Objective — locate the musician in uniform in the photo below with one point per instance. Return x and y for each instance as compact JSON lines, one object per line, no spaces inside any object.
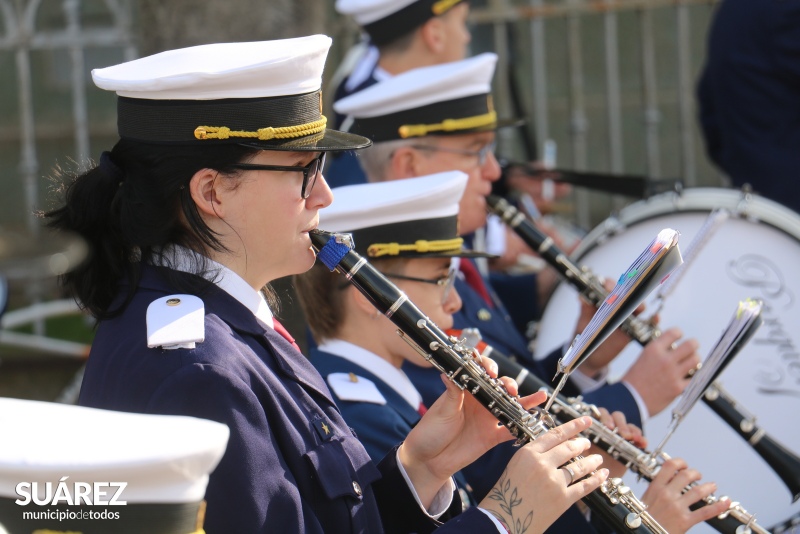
{"x":209,"y":195}
{"x":403,"y":35}
{"x":441,"y":118}
{"x":408,"y":230}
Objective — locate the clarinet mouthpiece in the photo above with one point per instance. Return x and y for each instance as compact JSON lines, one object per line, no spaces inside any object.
{"x":330,"y":247}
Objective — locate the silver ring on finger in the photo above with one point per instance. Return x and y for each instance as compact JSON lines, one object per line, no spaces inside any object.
{"x":568,"y":470}
{"x":673,"y":346}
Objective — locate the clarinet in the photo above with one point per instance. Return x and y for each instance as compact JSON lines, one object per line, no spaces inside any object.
{"x":785,"y":463}
{"x":790,"y":526}
{"x":586,"y":282}
{"x":613,"y":501}
{"x":735,"y":520}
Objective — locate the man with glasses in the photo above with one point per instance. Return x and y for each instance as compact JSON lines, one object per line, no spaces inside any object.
{"x":441,"y":118}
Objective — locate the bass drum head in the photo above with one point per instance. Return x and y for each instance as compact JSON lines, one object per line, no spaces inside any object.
{"x":754,"y":253}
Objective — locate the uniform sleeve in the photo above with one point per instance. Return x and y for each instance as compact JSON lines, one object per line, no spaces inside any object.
{"x":519,"y":293}
{"x":473,"y":520}
{"x":377,"y":428}
{"x":401,"y":514}
{"x":237,"y":500}
{"x":617,"y":397}
{"x":784,"y":30}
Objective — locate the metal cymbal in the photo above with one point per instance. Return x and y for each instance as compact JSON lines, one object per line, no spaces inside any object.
{"x":25,"y":256}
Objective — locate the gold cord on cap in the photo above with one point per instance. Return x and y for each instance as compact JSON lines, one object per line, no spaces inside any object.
{"x":393,"y":249}
{"x":443,"y":5}
{"x":447,"y":125}
{"x":262,"y":134}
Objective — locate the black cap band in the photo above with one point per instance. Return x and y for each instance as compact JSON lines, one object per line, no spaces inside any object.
{"x":176,"y":121}
{"x":400,"y":23}
{"x":388,"y":127}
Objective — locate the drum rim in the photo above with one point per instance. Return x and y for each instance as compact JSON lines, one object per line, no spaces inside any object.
{"x":701,"y":199}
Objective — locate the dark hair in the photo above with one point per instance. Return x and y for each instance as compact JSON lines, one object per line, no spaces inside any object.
{"x":321,"y":295}
{"x":129,"y":207}
{"x":399,"y":45}
{"x":402,"y":43}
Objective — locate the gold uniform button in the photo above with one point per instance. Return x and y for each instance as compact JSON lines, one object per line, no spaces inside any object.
{"x":357,"y":488}
{"x":484,"y":314}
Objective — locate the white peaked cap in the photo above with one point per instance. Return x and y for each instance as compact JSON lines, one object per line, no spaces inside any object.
{"x":222,"y":70}
{"x":378,"y":204}
{"x":163,"y":459}
{"x":367,"y":11}
{"x":421,"y":87}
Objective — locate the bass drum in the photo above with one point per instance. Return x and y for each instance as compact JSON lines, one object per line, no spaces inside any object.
{"x":754,"y":253}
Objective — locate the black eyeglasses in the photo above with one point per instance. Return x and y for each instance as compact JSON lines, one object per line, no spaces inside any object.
{"x":447,"y":281}
{"x":482,"y":154}
{"x":310,"y":171}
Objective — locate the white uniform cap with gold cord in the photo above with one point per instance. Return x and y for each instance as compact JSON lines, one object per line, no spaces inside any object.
{"x":447,"y":99}
{"x":414,"y":218}
{"x":387,"y":20}
{"x":264,"y":94}
{"x":68,"y":468}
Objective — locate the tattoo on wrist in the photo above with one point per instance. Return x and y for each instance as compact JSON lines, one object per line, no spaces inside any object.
{"x":508,"y":499}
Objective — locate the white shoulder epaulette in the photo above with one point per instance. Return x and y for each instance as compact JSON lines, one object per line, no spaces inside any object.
{"x":349,"y":387}
{"x":176,"y":322}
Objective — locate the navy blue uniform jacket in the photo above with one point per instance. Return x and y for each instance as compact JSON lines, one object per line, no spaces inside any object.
{"x":345,"y":168}
{"x":292,"y":464}
{"x":379,"y":426}
{"x":749,"y":96}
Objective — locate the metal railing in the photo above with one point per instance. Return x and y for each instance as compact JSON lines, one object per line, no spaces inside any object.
{"x":29,"y":27}
{"x":641,"y":118}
